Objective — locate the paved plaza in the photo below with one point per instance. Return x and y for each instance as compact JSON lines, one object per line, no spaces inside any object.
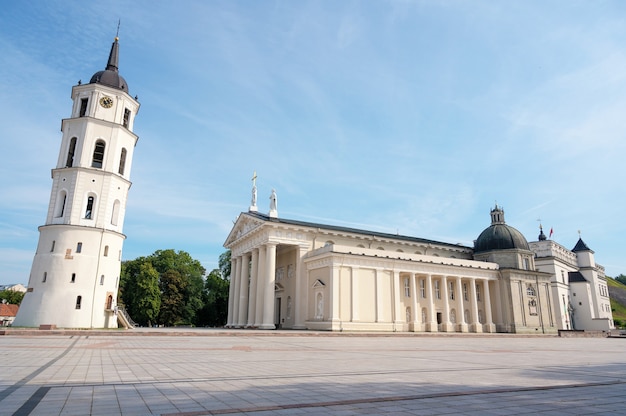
{"x":206,"y":372}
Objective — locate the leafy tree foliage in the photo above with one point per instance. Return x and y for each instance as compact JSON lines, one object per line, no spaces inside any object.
{"x":140,"y":282}
{"x":11,"y":296}
{"x":621,"y":278}
{"x":215,"y":297}
{"x":224,"y":265}
{"x":165,"y":287}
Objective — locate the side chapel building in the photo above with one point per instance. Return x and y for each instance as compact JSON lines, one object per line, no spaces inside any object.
{"x":299,"y":275}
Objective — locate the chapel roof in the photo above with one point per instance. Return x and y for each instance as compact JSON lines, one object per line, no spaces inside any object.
{"x":576,"y":277}
{"x":111,"y":76}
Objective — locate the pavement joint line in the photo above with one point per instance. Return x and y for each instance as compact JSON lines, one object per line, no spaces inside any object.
{"x":270,"y":408}
{"x":11,"y":389}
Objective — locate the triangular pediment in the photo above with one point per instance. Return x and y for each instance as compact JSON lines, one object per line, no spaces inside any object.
{"x":318,"y":283}
{"x":243,"y":225}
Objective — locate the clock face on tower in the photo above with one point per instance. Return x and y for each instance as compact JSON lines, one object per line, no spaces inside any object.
{"x":106,"y":102}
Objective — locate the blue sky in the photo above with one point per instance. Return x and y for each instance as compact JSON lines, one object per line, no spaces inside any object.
{"x":410,"y":117}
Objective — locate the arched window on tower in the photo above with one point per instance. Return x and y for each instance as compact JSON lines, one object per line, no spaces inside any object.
{"x":98,"y":154}
{"x":70,"y":153}
{"x":91,"y":201}
{"x":79,"y":300}
{"x":60,"y":205}
{"x":116,"y":212}
{"x":122,"y":162}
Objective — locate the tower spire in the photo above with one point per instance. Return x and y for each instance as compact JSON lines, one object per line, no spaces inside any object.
{"x":113,"y":62}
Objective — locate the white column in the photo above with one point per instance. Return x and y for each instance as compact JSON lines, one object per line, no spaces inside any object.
{"x":254,"y":277}
{"x":231,"y":293}
{"x":354,"y":301}
{"x":396,"y":305}
{"x":243,"y":290}
{"x":379,"y":301}
{"x":301,"y":292}
{"x":335,"y":296}
{"x":269,"y":296}
{"x":446,"y":325}
{"x":260,"y":287}
{"x":236,"y":274}
{"x":416,"y":312}
{"x":431,"y":325}
{"x":460,"y":313}
{"x":488,"y":326}
{"x":475,"y":326}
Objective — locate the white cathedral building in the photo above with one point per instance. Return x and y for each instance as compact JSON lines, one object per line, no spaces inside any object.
{"x":299,"y":275}
{"x":75,"y":273}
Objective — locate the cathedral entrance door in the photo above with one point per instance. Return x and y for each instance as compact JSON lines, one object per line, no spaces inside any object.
{"x":277,"y":314}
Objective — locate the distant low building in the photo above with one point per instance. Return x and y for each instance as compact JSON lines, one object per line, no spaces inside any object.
{"x":14,"y":287}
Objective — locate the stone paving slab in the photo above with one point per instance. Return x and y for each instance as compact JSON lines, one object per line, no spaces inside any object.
{"x":286,"y":373}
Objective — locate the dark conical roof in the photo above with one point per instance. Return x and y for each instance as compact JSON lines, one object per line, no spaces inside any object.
{"x":111,"y":76}
{"x":499,"y":236}
{"x":580,"y":246}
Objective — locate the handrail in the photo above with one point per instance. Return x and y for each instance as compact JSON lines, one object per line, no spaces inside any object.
{"x":129,"y":324}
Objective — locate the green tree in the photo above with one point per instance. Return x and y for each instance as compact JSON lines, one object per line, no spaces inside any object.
{"x":139,"y":290}
{"x":224,"y":264}
{"x":11,"y":296}
{"x":189,"y":286}
{"x":173,"y":288}
{"x":173,"y":298}
{"x":215,"y":297}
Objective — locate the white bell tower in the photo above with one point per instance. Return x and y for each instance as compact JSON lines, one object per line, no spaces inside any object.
{"x":75,"y":274}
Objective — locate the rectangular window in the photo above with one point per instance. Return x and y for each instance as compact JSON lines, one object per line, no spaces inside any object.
{"x":451,"y":290}
{"x":407,"y":288}
{"x":45,"y":277}
{"x":83,"y":106}
{"x":73,"y":278}
{"x":53,"y":244}
{"x":79,"y":247}
{"x":465,"y":296}
{"x":437,"y":290}
{"x":106,"y":251}
{"x":78,"y":301}
{"x":423,"y":288}
{"x":122,"y":162}
{"x":126,"y":117}
{"x":477,"y":292}
{"x":101,"y":280}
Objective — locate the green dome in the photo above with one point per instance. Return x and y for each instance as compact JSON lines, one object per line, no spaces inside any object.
{"x":499,"y":236}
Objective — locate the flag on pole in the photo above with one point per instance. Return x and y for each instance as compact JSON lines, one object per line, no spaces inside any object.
{"x":550,"y":232}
